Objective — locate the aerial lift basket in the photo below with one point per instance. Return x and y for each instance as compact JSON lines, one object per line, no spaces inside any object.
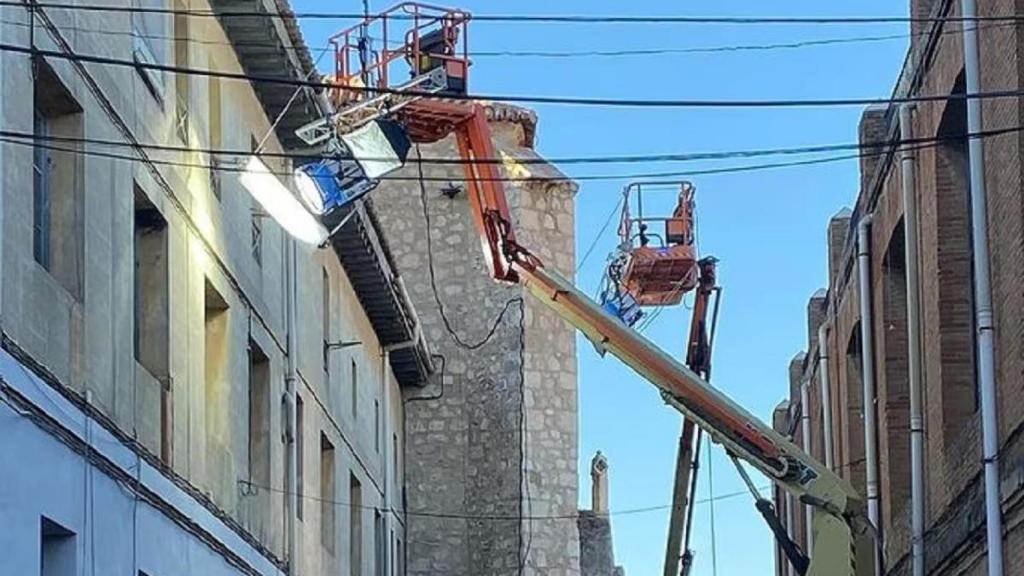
{"x":660,"y":254}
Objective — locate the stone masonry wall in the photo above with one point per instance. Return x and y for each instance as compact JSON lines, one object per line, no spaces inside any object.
{"x":480,"y":444}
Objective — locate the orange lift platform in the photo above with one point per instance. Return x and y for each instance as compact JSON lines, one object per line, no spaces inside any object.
{"x":417,"y":80}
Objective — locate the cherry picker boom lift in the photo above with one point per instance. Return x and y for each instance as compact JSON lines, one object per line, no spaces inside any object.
{"x":843,"y":537}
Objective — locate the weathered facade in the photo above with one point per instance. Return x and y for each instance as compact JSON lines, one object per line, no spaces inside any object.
{"x":954,"y":540}
{"x":497,"y":441}
{"x":143,"y":420}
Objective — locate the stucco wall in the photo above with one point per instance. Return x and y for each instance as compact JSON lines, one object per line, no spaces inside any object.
{"x":85,"y":340}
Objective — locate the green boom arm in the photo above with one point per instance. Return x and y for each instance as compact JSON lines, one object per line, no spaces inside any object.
{"x":843,"y":538}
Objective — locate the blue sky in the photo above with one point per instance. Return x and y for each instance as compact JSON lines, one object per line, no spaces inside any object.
{"x":766,"y":227}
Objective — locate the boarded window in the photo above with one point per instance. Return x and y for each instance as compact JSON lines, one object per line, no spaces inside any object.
{"x":327,"y":504}
{"x":57,"y":200}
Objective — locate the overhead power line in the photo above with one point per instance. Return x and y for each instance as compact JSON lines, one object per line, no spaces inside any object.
{"x":558,"y":54}
{"x":536,"y":18}
{"x":222,"y":153}
{"x":879,"y":151}
{"x":567,"y":100}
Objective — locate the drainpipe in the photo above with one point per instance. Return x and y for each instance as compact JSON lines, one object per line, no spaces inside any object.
{"x":789,"y":529}
{"x":385,"y":453}
{"x":983,"y":295}
{"x":868,"y":375}
{"x":805,"y":425}
{"x":290,"y":378}
{"x":917,"y":494}
{"x":826,"y":393}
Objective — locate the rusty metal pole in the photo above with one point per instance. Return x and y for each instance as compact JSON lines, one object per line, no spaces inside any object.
{"x":697,"y":358}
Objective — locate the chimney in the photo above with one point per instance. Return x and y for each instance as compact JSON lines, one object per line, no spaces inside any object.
{"x":599,"y":484}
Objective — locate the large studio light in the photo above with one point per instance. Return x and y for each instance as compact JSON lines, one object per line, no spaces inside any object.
{"x":356,"y":161}
{"x":281,"y":204}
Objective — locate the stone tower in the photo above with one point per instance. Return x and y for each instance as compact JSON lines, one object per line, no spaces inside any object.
{"x":492,"y":446}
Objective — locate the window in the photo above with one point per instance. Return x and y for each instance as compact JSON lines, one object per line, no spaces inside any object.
{"x":215,"y":341}
{"x":379,"y":544}
{"x":300,"y":443}
{"x":396,"y":471}
{"x":852,"y":465}
{"x":41,"y":164}
{"x":955,"y":271}
{"x":326,"y":493}
{"x":400,"y":556}
{"x":894,"y":399}
{"x":325,"y":320}
{"x":376,"y":426}
{"x":355,"y":537}
{"x":151,"y":287}
{"x":58,"y":552}
{"x":259,"y":417}
{"x":151,"y":331}
{"x":145,"y":27}
{"x":354,"y":378}
{"x":57,"y":203}
{"x":182,"y":82}
{"x":255,"y":219}
{"x":256,"y":237}
{"x":215,"y":121}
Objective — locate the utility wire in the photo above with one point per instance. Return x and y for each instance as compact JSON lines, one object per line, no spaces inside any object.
{"x":599,"y":159}
{"x":494,"y":517}
{"x":586,"y":177}
{"x":542,"y":53}
{"x":528,"y":99}
{"x":534,"y":18}
{"x":876,"y":146}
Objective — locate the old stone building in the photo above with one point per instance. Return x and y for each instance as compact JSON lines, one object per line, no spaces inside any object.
{"x":147,"y":425}
{"x":954,"y":536}
{"x":497,"y":441}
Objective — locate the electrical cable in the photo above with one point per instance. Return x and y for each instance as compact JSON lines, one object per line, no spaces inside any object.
{"x":600,"y":233}
{"x":523,"y":457}
{"x":540,"y":53}
{"x":535,"y":18}
{"x":597,"y":159}
{"x":498,"y":517}
{"x":927,"y":143}
{"x":529,"y":99}
{"x":456,"y":338}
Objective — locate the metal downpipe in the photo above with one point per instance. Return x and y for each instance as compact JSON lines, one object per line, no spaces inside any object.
{"x":983,"y":295}
{"x":826,"y":395}
{"x":868,"y":375}
{"x":290,"y":379}
{"x":917,"y":494}
{"x":805,"y":430}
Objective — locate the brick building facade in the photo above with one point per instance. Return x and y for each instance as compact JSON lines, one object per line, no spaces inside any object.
{"x":954,"y":495}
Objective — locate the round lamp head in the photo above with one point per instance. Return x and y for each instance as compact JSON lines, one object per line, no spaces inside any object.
{"x":319,"y":187}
